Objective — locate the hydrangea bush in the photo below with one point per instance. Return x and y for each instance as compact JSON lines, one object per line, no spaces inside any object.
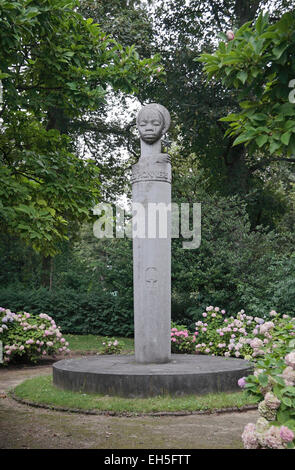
{"x":274,"y":382}
{"x":241,"y":336}
{"x":111,"y":346}
{"x":268,"y":341}
{"x":182,"y":341}
{"x":27,"y":337}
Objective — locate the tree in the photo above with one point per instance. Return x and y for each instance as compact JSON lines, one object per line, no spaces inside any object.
{"x":186,"y":30}
{"x":55,"y":66}
{"x":260,"y":64}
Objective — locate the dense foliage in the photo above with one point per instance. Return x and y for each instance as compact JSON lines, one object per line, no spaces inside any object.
{"x":97,"y":311}
{"x":27,"y":337}
{"x":259,"y":62}
{"x":55,"y":66}
{"x":273,"y":382}
{"x":239,"y":335}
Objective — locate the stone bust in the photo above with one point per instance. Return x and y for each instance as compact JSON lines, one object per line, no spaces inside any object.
{"x":153,"y":121}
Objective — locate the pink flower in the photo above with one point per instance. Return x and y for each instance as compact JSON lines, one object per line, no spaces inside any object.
{"x":230,"y":35}
{"x":223,"y":312}
{"x":273,"y":438}
{"x":249,"y":437}
{"x":289,"y":376}
{"x":266,"y":326}
{"x":271,"y":401}
{"x":204,"y":314}
{"x":286,"y":434}
{"x":290,"y":359}
{"x":256,"y":343}
{"x":242,"y":382}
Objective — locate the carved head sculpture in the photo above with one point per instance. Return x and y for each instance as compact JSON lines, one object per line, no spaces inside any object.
{"x":153,"y":120}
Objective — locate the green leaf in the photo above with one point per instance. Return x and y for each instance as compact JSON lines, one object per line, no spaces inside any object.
{"x":263,"y":380}
{"x":287,"y":401}
{"x":278,"y":51}
{"x":259,"y":117}
{"x":242,"y":76}
{"x":283,"y":416}
{"x":286,"y":137}
{"x":273,"y":147}
{"x":261,"y":140}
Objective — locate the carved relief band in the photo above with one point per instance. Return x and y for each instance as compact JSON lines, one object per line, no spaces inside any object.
{"x":141,"y":173}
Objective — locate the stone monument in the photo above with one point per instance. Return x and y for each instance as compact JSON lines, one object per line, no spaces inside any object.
{"x":152,"y":371}
{"x":151,"y":190}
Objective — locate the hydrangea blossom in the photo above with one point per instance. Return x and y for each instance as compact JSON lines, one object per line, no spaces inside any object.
{"x":249,"y":437}
{"x":21,"y":335}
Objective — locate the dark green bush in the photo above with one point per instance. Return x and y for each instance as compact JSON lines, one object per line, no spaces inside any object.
{"x":96,"y":312}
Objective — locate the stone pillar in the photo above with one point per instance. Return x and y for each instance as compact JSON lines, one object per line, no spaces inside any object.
{"x":151,"y":230}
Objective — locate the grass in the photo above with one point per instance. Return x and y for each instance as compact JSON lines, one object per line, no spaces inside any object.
{"x":94,"y":343}
{"x":41,"y":390}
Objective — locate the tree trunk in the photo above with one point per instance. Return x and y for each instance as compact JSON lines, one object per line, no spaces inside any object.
{"x":245,"y":10}
{"x":47,"y":272}
{"x":238,"y":173}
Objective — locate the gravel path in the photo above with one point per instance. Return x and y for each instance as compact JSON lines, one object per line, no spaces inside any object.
{"x":26,"y":427}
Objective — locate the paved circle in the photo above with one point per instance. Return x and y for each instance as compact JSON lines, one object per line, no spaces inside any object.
{"x":122,"y":376}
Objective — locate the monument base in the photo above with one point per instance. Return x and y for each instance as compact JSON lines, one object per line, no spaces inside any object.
{"x":121,"y":376}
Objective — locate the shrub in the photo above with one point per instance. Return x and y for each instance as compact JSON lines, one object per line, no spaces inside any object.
{"x":181,"y":340}
{"x":274,"y":382}
{"x":27,"y":337}
{"x":241,"y":336}
{"x":111,"y":346}
{"x":97,"y":312}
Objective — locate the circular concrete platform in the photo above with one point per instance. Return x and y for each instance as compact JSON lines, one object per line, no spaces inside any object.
{"x":122,"y":376}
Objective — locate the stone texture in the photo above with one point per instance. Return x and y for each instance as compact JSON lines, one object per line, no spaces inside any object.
{"x":123,"y":376}
{"x":151,"y":185}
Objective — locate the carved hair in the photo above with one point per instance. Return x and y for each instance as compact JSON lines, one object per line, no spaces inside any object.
{"x":161,"y":110}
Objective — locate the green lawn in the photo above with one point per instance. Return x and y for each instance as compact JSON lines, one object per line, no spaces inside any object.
{"x":41,"y":390}
{"x":94,"y":343}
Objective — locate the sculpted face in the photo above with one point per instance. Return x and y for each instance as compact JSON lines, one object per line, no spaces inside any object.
{"x":150,"y":125}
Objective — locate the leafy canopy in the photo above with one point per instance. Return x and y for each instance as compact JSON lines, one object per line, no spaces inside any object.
{"x":55,"y":66}
{"x":260,"y":64}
